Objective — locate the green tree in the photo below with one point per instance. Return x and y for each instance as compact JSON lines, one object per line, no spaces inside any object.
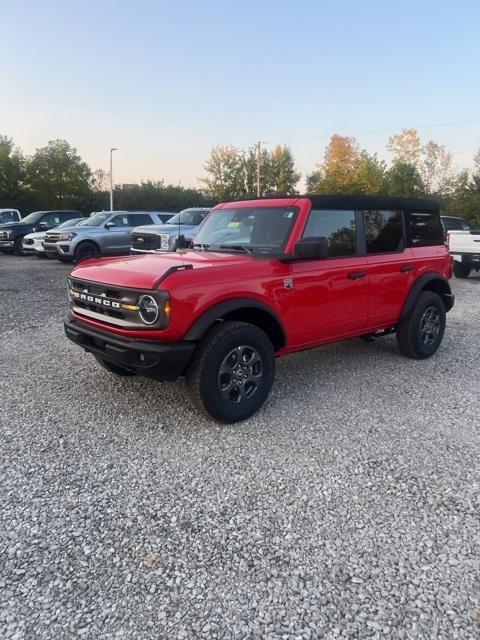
{"x":281,"y":175}
{"x":369,"y":177}
{"x":57,"y":177}
{"x":225,"y":174}
{"x":404,"y":180}
{"x":12,"y":174}
{"x":405,"y":147}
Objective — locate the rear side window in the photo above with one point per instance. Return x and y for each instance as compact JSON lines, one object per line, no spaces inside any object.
{"x":383,"y":231}
{"x":337,"y":226}
{"x":424,"y":229}
{"x":138,"y":219}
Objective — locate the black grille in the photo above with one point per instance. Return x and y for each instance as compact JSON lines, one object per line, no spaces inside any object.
{"x":145,"y":241}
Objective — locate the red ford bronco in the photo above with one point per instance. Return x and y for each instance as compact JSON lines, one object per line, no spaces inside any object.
{"x":264,"y":278}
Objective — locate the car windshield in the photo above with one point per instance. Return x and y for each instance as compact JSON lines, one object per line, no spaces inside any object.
{"x":260,"y":229}
{"x":32,"y":217}
{"x":188,"y":216}
{"x":456,"y":224}
{"x":96,"y":219}
{"x":7,"y":216}
{"x":70,"y":223}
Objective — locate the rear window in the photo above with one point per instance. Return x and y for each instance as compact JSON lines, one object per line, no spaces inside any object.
{"x":383,"y":231}
{"x":455,"y":224}
{"x":424,"y":229}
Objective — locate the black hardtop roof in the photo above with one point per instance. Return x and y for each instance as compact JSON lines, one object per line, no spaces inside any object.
{"x":352,"y":202}
{"x":372,"y":202}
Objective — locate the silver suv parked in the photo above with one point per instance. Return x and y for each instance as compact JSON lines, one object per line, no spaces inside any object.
{"x":165,"y":237}
{"x":102,"y":234}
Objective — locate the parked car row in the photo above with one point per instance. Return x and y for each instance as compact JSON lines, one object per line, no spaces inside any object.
{"x":70,"y":237}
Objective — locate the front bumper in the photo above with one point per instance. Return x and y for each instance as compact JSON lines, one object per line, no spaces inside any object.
{"x":58,"y":249}
{"x":159,"y":360}
{"x":6,"y":245}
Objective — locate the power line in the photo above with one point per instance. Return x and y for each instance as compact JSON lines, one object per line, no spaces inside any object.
{"x":378,"y":131}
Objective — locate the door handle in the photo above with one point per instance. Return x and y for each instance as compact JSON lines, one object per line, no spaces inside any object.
{"x":356,"y":275}
{"x":406,"y":267}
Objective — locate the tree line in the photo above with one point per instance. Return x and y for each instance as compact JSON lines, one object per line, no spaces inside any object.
{"x":55,"y":176}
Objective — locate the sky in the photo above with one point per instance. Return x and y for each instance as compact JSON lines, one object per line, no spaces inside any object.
{"x":165,"y":81}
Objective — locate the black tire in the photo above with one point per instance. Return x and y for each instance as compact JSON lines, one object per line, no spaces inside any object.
{"x":86,"y":250}
{"x":461,"y":270}
{"x":232,"y":371}
{"x":114,"y":368}
{"x":420,"y":334}
{"x":18,"y":247}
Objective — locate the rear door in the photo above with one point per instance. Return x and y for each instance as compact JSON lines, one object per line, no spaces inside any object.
{"x":331,"y":294}
{"x":391,"y":266}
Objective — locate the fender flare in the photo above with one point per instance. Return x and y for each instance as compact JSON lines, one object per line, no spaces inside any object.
{"x":210,"y":315}
{"x":420,"y":284}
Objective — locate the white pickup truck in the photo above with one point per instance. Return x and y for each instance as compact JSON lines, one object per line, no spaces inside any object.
{"x":464,"y":247}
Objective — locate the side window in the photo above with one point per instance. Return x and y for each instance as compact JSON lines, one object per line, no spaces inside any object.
{"x":138,"y":219}
{"x":52,"y":219}
{"x":424,"y":229}
{"x":337,"y":226}
{"x":383,"y":231}
{"x":120,"y":220}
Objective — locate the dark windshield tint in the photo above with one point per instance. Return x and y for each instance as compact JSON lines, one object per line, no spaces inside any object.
{"x":32,"y":217}
{"x":188,"y":216}
{"x":255,"y":227}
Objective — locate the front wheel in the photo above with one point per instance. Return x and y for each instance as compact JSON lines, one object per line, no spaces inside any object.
{"x":232,"y":372}
{"x":420,"y":334}
{"x":461,"y":270}
{"x":86,"y":250}
{"x":18,"y":247}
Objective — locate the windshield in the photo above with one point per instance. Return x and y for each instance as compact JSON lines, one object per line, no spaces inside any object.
{"x":32,"y":217}
{"x":96,"y":219}
{"x":8,"y":216}
{"x":188,"y":216}
{"x":70,"y":223}
{"x":456,"y":224}
{"x":247,"y":228}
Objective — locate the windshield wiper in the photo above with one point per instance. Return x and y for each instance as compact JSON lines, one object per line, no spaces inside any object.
{"x":236,"y":247}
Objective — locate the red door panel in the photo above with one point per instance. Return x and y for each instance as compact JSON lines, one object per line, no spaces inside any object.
{"x":389,"y":277}
{"x":329,"y":303}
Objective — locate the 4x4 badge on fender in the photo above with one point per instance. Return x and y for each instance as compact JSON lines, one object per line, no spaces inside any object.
{"x":288,"y":283}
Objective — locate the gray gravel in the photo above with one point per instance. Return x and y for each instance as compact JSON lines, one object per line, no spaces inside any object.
{"x":348,"y":507}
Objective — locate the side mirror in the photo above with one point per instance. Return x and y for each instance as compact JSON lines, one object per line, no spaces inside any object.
{"x":109,"y":225}
{"x":311,"y":249}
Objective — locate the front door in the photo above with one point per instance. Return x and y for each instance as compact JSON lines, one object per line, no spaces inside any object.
{"x":117,"y":234}
{"x":331,"y":294}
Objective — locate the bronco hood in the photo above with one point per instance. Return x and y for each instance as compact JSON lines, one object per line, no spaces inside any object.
{"x":148,"y":270}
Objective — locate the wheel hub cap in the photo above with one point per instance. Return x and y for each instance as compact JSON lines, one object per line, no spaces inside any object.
{"x":240,"y":374}
{"x":430,"y":324}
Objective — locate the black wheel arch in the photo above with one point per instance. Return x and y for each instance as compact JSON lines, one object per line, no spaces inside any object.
{"x":242,"y":309}
{"x":429,"y":282}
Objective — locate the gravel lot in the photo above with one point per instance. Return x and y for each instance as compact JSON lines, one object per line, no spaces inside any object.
{"x":348,"y":507}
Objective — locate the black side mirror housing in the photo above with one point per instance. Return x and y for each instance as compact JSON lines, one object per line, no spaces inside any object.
{"x":311,"y":249}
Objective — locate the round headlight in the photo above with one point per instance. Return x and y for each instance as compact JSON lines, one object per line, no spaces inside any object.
{"x":148,"y":309}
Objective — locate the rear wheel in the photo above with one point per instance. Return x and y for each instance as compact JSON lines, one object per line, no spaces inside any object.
{"x":461,"y":270}
{"x":232,"y":371}
{"x":114,"y":368}
{"x":420,"y":334}
{"x":86,"y":250}
{"x":18,"y":247}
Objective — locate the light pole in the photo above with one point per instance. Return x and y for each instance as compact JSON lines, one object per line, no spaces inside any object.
{"x":259,"y":144}
{"x":111,"y":176}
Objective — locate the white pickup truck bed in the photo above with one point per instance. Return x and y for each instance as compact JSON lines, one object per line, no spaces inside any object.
{"x":464,"y":247}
